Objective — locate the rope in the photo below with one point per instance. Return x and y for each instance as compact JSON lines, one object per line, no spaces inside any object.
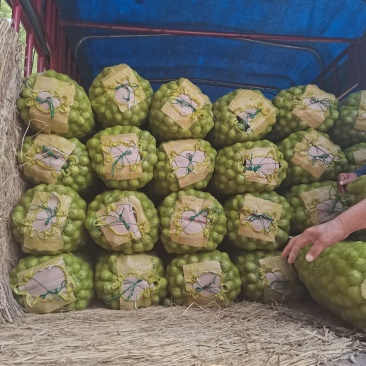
{"x":246,"y":122}
{"x":126,"y":86}
{"x":207,"y":287}
{"x":133,"y":287}
{"x":120,"y":157}
{"x":183,"y":103}
{"x":51,"y":213}
{"x":49,"y":153}
{"x":120,"y":219}
{"x":326,"y":102}
{"x":262,"y":218}
{"x":322,"y":157}
{"x":49,"y":101}
{"x":193,"y":217}
{"x":54,"y":292}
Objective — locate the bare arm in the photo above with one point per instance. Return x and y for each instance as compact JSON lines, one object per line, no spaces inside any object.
{"x":325,"y":235}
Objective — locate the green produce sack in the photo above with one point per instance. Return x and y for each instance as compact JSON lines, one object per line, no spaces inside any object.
{"x":301,"y":108}
{"x":240,"y":116}
{"x":179,"y":110}
{"x":123,"y":221}
{"x":123,"y":157}
{"x":258,"y":221}
{"x":337,"y":280}
{"x":53,"y":103}
{"x":120,"y":97}
{"x":191,"y":221}
{"x":52,"y":284}
{"x":267,"y":277}
{"x":53,"y":159}
{"x":49,"y":220}
{"x":249,"y":167}
{"x":356,"y":156}
{"x":203,"y":279}
{"x":183,"y":164}
{"x":311,"y":157}
{"x":316,"y":203}
{"x":129,"y":282}
{"x":350,"y":127}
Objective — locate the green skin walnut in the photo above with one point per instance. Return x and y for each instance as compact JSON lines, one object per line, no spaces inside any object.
{"x":231,"y":283}
{"x":343,"y":132}
{"x":164,"y":128}
{"x":216,"y":226}
{"x":147,"y":151}
{"x":288,"y":123}
{"x":166,"y":181}
{"x":335,"y":280}
{"x":106,"y":108}
{"x":80,"y":271}
{"x":76,"y":173}
{"x":296,"y":174}
{"x":229,"y":177}
{"x":352,"y":165}
{"x":136,"y":245}
{"x":233,"y":208}
{"x":72,"y":233}
{"x":106,"y":278}
{"x":228,"y":128}
{"x":81,"y":118}
{"x":300,"y":215}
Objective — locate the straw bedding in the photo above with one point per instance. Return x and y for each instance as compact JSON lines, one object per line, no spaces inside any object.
{"x":244,"y":334}
{"x":11,"y":186}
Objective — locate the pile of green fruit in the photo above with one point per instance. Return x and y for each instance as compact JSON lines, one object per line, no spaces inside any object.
{"x":123,"y":156}
{"x":54,"y":103}
{"x":120,"y":97}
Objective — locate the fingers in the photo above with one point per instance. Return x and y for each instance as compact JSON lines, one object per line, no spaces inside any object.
{"x":316,"y":250}
{"x":344,"y":179}
{"x":347,"y":180}
{"x":295,"y":244}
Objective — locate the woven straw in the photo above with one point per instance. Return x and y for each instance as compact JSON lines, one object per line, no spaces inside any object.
{"x":11,"y":186}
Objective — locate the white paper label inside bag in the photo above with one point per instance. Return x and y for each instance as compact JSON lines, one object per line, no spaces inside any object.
{"x":123,"y":220}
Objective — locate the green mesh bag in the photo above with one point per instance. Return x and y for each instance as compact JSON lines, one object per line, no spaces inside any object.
{"x":350,"y":127}
{"x":191,"y":221}
{"x":120,"y":97}
{"x":258,"y":221}
{"x":183,"y":164}
{"x":301,"y":108}
{"x":49,"y":220}
{"x":53,"y":103}
{"x":249,"y":167}
{"x":123,"y":156}
{"x":52,"y":283}
{"x":316,"y":203}
{"x":311,"y":157}
{"x":179,"y":110}
{"x":130,"y":281}
{"x":336,"y":280}
{"x":240,"y":116}
{"x":267,"y":277}
{"x":123,"y":221}
{"x":356,"y":156}
{"x":53,"y":159}
{"x":203,"y":279}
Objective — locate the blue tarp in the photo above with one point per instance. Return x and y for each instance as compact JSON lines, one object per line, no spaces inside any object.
{"x":207,"y":59}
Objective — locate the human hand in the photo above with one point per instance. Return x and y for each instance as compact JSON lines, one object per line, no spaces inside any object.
{"x":321,"y":236}
{"x":344,"y":179}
